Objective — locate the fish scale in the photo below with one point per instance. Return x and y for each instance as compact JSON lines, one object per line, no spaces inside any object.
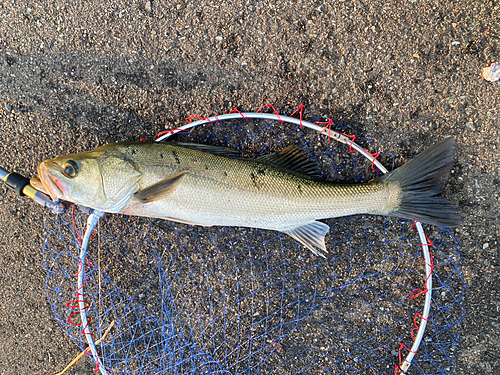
{"x":239,"y":192}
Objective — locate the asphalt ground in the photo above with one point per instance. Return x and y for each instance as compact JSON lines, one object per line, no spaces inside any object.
{"x":74,"y":75}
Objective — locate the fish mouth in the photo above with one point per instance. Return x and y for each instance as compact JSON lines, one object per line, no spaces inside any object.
{"x":36,"y":182}
{"x":51,"y":185}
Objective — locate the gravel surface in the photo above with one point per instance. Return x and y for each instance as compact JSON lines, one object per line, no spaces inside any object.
{"x":77,"y":74}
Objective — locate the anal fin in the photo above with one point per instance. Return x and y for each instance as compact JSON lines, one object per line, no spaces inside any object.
{"x":188,"y":222}
{"x":311,"y":235}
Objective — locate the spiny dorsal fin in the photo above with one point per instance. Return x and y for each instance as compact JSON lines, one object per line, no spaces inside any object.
{"x":224,"y":151}
{"x":161,"y":189}
{"x":294,"y":159}
{"x":311,"y":235}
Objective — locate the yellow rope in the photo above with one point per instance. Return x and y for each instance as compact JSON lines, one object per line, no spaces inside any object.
{"x":83,"y":353}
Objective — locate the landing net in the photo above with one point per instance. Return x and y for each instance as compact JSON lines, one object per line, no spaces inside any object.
{"x":222,"y":300}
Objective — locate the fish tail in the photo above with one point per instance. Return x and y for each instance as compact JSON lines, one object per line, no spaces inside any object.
{"x":420,"y":180}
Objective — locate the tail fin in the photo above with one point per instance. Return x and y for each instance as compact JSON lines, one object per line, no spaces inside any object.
{"x":420,"y":180}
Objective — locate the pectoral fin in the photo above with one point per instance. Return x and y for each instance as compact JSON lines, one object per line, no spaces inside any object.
{"x":161,"y":189}
{"x":311,"y":235}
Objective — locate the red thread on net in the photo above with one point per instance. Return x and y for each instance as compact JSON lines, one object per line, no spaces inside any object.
{"x":78,"y":236}
{"x":97,"y":367}
{"x":301,"y":109}
{"x":353,"y":137}
{"x":429,"y":242}
{"x":86,"y":351}
{"x":75,"y":305}
{"x":171,"y":132}
{"x":398,"y":367}
{"x":431,"y":266}
{"x":79,"y":270}
{"x":143,"y":140}
{"x":86,"y":263}
{"x":420,"y":291}
{"x":274,"y":109}
{"x":416,"y":326}
{"x":236,"y":110}
{"x":375,"y":156}
{"x":191,"y":118}
{"x":413,"y":296}
{"x":328,"y":125}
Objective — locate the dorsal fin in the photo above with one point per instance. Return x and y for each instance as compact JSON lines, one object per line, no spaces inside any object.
{"x":217,"y":150}
{"x":294,"y":159}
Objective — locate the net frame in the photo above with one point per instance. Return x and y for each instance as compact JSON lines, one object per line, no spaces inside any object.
{"x":324,"y":130}
{"x":340,"y":137}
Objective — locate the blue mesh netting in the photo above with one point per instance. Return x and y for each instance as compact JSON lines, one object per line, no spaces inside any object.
{"x":223,"y":300}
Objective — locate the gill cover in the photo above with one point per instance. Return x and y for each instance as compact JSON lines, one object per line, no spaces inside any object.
{"x":119,"y":179}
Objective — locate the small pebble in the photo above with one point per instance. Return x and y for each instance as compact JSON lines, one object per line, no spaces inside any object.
{"x":492,"y":72}
{"x":8,"y":107}
{"x":486,"y":245}
{"x":149,"y":6}
{"x":259,"y":263}
{"x":471,"y":126}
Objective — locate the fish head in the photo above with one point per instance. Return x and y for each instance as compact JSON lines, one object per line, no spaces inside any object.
{"x":102,"y":179}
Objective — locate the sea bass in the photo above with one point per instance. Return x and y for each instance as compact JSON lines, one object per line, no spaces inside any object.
{"x":206,"y":185}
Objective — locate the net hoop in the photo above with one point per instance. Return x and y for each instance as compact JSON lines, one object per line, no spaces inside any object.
{"x":326,"y":131}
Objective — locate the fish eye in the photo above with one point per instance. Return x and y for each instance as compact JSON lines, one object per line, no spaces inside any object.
{"x":70,"y":169}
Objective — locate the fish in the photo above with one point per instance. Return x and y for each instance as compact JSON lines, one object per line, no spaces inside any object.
{"x":208,"y":185}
